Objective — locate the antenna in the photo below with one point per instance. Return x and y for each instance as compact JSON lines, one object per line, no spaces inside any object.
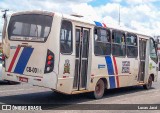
{"x":5,"y":13}
{"x":76,"y":15}
{"x":119,"y":19}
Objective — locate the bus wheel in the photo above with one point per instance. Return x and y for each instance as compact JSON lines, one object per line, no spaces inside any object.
{"x":149,"y":84}
{"x":99,"y":89}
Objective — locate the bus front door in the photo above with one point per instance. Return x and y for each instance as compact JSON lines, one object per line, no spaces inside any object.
{"x":81,"y":58}
{"x":142,"y":56}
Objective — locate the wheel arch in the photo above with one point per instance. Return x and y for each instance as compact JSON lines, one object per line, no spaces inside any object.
{"x":152,"y":75}
{"x":105,"y":82}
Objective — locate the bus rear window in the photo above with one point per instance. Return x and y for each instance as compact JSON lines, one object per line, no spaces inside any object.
{"x":29,"y":27}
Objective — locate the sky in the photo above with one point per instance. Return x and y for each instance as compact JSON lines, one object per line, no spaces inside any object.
{"x":140,"y":15}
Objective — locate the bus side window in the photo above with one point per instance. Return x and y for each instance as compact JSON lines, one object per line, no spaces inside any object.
{"x":66,"y":37}
{"x":118,"y":43}
{"x":132,"y":48}
{"x":102,"y":45}
{"x":153,"y":53}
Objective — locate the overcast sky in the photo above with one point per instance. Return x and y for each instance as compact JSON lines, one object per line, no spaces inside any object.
{"x":141,"y":15}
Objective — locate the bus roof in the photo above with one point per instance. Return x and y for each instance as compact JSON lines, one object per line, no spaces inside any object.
{"x":85,"y":20}
{"x":33,"y":12}
{"x":104,"y":25}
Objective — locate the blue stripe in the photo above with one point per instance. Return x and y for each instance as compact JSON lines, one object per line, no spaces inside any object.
{"x":112,"y":82}
{"x":98,"y":24}
{"x":109,"y":65}
{"x":110,"y":71}
{"x":23,"y":60}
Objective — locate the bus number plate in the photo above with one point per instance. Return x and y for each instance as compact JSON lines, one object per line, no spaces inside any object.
{"x":23,"y":79}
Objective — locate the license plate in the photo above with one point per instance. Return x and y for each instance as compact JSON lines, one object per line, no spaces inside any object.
{"x":23,"y":79}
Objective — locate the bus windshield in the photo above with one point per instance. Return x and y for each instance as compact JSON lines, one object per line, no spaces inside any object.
{"x":29,"y":27}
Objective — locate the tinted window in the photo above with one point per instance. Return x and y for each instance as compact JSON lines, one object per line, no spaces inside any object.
{"x":118,"y":43}
{"x":153,"y":53}
{"x":102,"y":44}
{"x":132,"y":49}
{"x":32,"y":27}
{"x":66,"y":37}
{"x":85,"y":43}
{"x":78,"y":34}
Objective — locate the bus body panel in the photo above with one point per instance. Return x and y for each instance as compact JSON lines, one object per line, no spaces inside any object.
{"x":21,"y":59}
{"x":153,"y":69}
{"x":67,"y":63}
{"x":65,"y":78}
{"x":119,"y":78}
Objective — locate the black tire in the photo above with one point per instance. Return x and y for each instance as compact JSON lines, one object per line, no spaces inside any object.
{"x":99,"y":90}
{"x":149,"y":84}
{"x":57,"y":93}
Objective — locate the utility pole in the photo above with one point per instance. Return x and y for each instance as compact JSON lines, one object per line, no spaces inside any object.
{"x":4,"y":24}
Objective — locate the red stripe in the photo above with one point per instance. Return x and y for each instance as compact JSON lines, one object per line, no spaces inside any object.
{"x":116,"y":70}
{"x":104,"y":25}
{"x":14,"y":58}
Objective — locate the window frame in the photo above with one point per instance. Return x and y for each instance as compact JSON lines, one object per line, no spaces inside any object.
{"x":71,"y":37}
{"x":131,"y":45}
{"x":123,"y":32}
{"x":106,"y":29}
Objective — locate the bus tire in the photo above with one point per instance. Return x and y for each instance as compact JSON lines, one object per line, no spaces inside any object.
{"x":149,"y":84}
{"x":56,"y":92}
{"x":99,"y":89}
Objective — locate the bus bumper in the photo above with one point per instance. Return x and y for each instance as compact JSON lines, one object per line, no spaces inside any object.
{"x":48,"y":81}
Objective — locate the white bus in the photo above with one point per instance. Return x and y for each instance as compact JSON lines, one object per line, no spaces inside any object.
{"x":71,"y":55}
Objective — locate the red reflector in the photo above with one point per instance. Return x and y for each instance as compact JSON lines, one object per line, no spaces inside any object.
{"x":64,"y":76}
{"x":38,"y":79}
{"x":50,"y":57}
{"x":9,"y":75}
